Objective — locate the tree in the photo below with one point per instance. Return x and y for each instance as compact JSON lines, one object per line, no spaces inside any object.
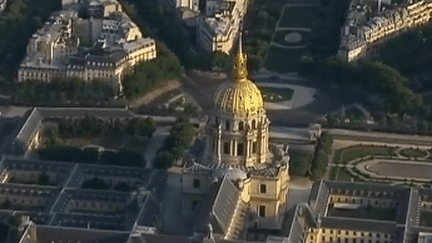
{"x":89,"y":155}
{"x":131,"y":158}
{"x":43,"y":179}
{"x":190,"y":109}
{"x":146,"y":127}
{"x":109,"y":158}
{"x":163,"y":160}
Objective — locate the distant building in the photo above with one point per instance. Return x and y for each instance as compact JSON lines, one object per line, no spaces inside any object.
{"x":3,"y":5}
{"x":366,"y":26}
{"x":219,"y":27}
{"x":103,"y":47}
{"x":362,"y":212}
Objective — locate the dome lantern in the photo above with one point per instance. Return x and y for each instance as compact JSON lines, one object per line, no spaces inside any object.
{"x":240,"y":97}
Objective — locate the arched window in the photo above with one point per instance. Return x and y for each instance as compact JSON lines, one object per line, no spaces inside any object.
{"x":227,"y":125}
{"x":253,"y":124}
{"x":241,"y":126}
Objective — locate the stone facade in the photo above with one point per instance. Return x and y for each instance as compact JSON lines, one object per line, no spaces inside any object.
{"x":240,"y":182}
{"x":218,"y":28}
{"x":364,"y":27}
{"x":104,"y":46}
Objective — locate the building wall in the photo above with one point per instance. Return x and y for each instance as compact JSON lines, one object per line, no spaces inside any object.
{"x":272,"y":201}
{"x":383,"y":26}
{"x":220,"y":39}
{"x":29,"y":176}
{"x":318,"y":235}
{"x":95,"y":206}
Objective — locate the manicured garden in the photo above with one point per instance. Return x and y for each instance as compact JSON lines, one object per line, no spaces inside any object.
{"x":352,"y":153}
{"x":300,"y":16}
{"x":289,"y":37}
{"x":413,"y":153}
{"x":340,"y":174}
{"x":271,"y":94}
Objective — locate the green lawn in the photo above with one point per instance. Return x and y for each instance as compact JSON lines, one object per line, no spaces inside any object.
{"x":279,"y":38}
{"x":337,"y":156}
{"x":344,"y":175}
{"x":365,"y":212}
{"x":333,"y":173}
{"x":277,"y":94}
{"x":362,"y":151}
{"x":136,"y":143}
{"x":413,"y":153}
{"x":282,"y":60}
{"x":305,"y":17}
{"x":426,"y":219}
{"x":300,"y":162}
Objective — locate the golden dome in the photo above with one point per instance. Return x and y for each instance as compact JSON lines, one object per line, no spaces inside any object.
{"x":240,"y":97}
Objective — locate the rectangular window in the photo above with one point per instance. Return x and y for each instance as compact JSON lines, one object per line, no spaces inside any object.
{"x":261,"y":211}
{"x":254,"y":147}
{"x":226,"y":148}
{"x":263,"y":188}
{"x":196,"y":183}
{"x":240,"y":149}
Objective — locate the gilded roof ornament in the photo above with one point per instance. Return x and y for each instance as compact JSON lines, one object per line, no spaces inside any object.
{"x":240,"y":65}
{"x":240,"y":97}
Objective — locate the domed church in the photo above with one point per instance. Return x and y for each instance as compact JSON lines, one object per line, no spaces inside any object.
{"x":240,"y":183}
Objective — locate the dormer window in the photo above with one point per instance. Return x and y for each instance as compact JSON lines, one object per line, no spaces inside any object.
{"x":263,"y":188}
{"x":241,"y":126}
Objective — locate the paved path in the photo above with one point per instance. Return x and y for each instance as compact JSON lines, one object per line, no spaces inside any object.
{"x":155,"y":143}
{"x":173,"y":222}
{"x":294,"y":28}
{"x":288,"y":47}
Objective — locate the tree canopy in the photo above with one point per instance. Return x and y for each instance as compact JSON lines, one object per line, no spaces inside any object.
{"x":146,"y":75}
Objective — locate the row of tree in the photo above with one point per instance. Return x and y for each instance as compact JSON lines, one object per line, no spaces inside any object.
{"x":160,"y":21}
{"x":409,"y":52}
{"x":373,"y":76}
{"x":91,"y":126}
{"x":62,"y":90}
{"x":124,"y":157}
{"x":175,"y":145}
{"x":146,"y":75}
{"x":325,"y":37}
{"x":320,"y":160}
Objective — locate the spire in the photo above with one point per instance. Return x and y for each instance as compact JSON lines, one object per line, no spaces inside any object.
{"x":240,"y":65}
